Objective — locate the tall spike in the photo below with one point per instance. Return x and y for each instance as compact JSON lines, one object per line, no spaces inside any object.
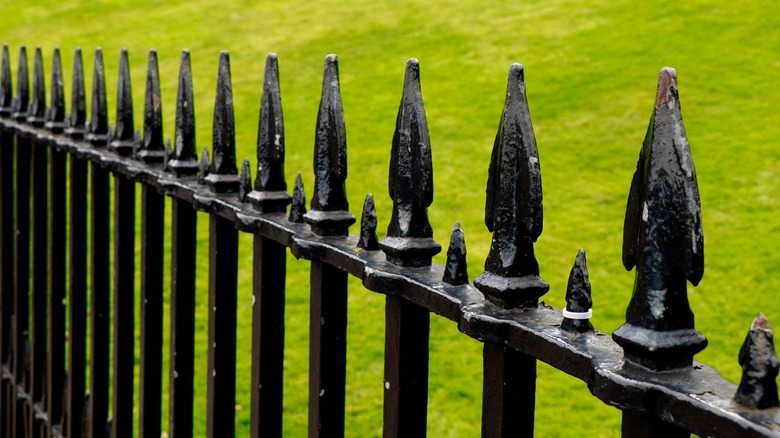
{"x":456,"y":269}
{"x":203,"y":165}
{"x":184,"y":160}
{"x":329,"y":214}
{"x":579,"y":304}
{"x":758,"y":388}
{"x":663,"y":239}
{"x":409,"y":240}
{"x":223,"y":174}
{"x":270,"y":192}
{"x":37,"y":112}
{"x":368,"y":223}
{"x":21,"y":103}
{"x":78,"y":101}
{"x":6,"y":93}
{"x":298,"y":207}
{"x":98,"y":123}
{"x":122,"y":142}
{"x":56,"y":117}
{"x":153,"y":146}
{"x":513,"y":209}
{"x":245,"y":181}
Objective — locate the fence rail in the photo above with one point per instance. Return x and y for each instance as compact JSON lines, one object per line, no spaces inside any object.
{"x":645,"y":368}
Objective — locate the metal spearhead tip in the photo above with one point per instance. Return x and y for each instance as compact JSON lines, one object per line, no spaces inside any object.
{"x":579,"y":304}
{"x":78,"y":101}
{"x":456,"y":269}
{"x":513,"y":208}
{"x":6,"y":93}
{"x":167,"y":154}
{"x":184,"y":161}
{"x":329,"y":214}
{"x":98,"y":122}
{"x":36,"y":114}
{"x":21,"y":103}
{"x":758,"y":388}
{"x":152,"y":149}
{"x":123,"y":135}
{"x":245,"y":181}
{"x":409,"y":240}
{"x":55,"y":119}
{"x":204,"y":165}
{"x":223,"y":174}
{"x":368,"y":223}
{"x":298,"y":207}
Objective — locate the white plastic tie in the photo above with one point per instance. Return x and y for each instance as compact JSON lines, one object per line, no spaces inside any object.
{"x":578,"y":315}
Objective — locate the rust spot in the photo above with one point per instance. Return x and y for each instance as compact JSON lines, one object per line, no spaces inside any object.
{"x":666,"y":78}
{"x":761,"y":322}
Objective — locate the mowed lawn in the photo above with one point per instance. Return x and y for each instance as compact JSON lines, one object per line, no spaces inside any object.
{"x":591,"y":71}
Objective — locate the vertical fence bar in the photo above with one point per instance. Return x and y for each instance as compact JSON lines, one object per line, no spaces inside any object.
{"x":509,"y":392}
{"x":641,"y":425}
{"x":7,"y":232}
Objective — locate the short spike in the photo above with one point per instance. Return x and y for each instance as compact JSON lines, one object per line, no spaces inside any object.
{"x":663,"y":239}
{"x":298,"y":207}
{"x":513,"y":209}
{"x":368,"y":223}
{"x":223,"y":174}
{"x":6,"y":93}
{"x":245,"y":181}
{"x":409,"y":240}
{"x":56,"y":118}
{"x":184,"y":161}
{"x":123,"y":136}
{"x":152,"y":148}
{"x":579,"y":304}
{"x":36,"y":114}
{"x":78,"y":101}
{"x":456,"y":269}
{"x":758,"y":388}
{"x":98,"y":123}
{"x":270,"y":193}
{"x":204,"y":165}
{"x":329,"y":214}
{"x":22,"y":101}
{"x":167,"y":154}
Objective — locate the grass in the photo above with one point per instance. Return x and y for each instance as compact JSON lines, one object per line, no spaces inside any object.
{"x":590,"y":68}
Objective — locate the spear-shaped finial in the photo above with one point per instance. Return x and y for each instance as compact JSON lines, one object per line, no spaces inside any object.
{"x":22,"y":100}
{"x":270,"y":193}
{"x":6,"y":93}
{"x":663,"y":239}
{"x":758,"y":388}
{"x":184,"y":160}
{"x":456,"y":270}
{"x":56,"y":115}
{"x":368,"y":223}
{"x":98,"y":123}
{"x":152,"y":147}
{"x":78,"y":101}
{"x":409,"y":240}
{"x":223,"y":174}
{"x":245,"y":181}
{"x":203,"y":165}
{"x":513,"y":209}
{"x":579,"y":304}
{"x":122,"y":142}
{"x":36,"y":114}
{"x":298,"y":207}
{"x":329,"y":214}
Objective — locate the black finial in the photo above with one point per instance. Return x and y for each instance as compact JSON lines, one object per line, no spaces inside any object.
{"x":152,"y":147}
{"x":36,"y":114}
{"x":245,"y":181}
{"x":409,"y":240}
{"x":758,"y":388}
{"x":167,"y":154}
{"x":663,"y":239}
{"x":270,"y":193}
{"x":579,"y":304}
{"x":184,"y":160}
{"x":513,"y":209}
{"x":223,"y":174}
{"x":368,"y":222}
{"x":329,"y":214}
{"x":56,"y":117}
{"x":98,"y":123}
{"x":204,"y":165}
{"x":78,"y":101}
{"x":22,"y":100}
{"x":298,"y":207}
{"x":122,"y":140}
{"x":455,"y":270}
{"x":6,"y":93}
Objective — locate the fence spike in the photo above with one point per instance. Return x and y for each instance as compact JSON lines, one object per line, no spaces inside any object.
{"x":298,"y":207}
{"x":6,"y":93}
{"x":56,"y":117}
{"x":245,"y":181}
{"x":184,"y":161}
{"x":98,"y":123}
{"x":167,"y":154}
{"x":122,"y":141}
{"x":513,"y":208}
{"x":663,"y":239}
{"x":223,"y":174}
{"x":758,"y":388}
{"x":22,"y":100}
{"x":579,"y":304}
{"x":456,"y":270}
{"x":152,"y":148}
{"x":204,"y":165}
{"x":270,"y":193}
{"x":36,"y":114}
{"x":329,"y":214}
{"x":78,"y":102}
{"x":409,"y":240}
{"x":368,"y":223}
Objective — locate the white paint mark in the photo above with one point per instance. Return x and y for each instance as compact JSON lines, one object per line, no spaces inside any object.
{"x":276,"y":140}
{"x":322,"y":320}
{"x":214,"y":373}
{"x":533,"y":160}
{"x":644,"y":212}
{"x":322,"y":392}
{"x":387,"y":384}
{"x":254,"y":298}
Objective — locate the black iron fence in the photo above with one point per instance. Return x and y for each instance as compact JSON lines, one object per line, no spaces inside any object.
{"x":645,"y":368}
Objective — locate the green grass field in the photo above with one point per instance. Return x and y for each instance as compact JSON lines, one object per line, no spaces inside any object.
{"x":591,"y":69}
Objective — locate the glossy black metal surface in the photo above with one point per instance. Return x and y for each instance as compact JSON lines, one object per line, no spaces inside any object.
{"x":185,"y":156}
{"x":122,"y":140}
{"x":456,"y":269}
{"x":368,"y":222}
{"x":758,"y":387}
{"x":153,"y":145}
{"x":223,"y":174}
{"x":298,"y":207}
{"x":578,"y":298}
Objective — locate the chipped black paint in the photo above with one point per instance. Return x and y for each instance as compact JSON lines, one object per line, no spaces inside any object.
{"x":298,"y":207}
{"x":55,"y":116}
{"x":578,"y":297}
{"x":456,"y":269}
{"x":152,"y":147}
{"x":223,"y":174}
{"x":77,"y":118}
{"x":204,"y":165}
{"x":368,"y":222}
{"x":6,"y":92}
{"x":36,"y":114}
{"x":244,"y":181}
{"x":184,"y":161}
{"x":758,"y":387}
{"x":22,"y":101}
{"x":97,"y":127}
{"x":122,"y":140}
